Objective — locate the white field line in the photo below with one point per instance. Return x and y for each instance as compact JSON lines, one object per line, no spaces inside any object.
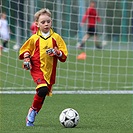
{"x":54,"y":88}
{"x":61,"y":88}
{"x":71,"y":92}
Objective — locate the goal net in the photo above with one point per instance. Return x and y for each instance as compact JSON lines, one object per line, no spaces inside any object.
{"x":106,"y":70}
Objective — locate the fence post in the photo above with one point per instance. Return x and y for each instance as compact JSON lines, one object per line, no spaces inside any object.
{"x":124,"y":22}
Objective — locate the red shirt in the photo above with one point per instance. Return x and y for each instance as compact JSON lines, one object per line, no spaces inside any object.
{"x":92,"y":16}
{"x":34,"y":28}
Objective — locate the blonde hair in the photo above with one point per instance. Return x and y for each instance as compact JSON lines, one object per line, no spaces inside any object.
{"x":40,"y":12}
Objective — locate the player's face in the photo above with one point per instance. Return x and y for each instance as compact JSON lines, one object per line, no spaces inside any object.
{"x":92,"y":4}
{"x":4,"y":16}
{"x":44,"y":23}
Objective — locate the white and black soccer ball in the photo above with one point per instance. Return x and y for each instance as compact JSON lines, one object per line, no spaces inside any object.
{"x":69,"y":118}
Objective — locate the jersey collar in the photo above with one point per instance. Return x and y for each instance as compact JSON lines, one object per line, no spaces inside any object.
{"x":45,"y":38}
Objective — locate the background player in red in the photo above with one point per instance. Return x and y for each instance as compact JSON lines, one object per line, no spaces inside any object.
{"x":33,"y":28}
{"x":41,"y":53}
{"x":92,"y":17}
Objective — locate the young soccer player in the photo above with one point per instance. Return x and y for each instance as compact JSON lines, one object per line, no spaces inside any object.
{"x":4,"y":32}
{"x":41,"y":53}
{"x":92,"y":16}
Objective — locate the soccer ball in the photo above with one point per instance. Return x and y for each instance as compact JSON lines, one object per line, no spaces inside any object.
{"x":69,"y":118}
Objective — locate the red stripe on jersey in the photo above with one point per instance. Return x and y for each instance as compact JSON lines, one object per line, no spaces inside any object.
{"x":52,"y":79}
{"x":36,"y":72}
{"x":54,"y":42}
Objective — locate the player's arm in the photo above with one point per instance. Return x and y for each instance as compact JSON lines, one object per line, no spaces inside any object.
{"x":85,"y":16}
{"x":97,"y":17}
{"x":60,"y":51}
{"x":26,"y":52}
{"x":54,"y":52}
{"x":28,"y":46}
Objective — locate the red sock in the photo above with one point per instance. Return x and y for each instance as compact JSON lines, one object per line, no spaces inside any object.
{"x":37,"y":103}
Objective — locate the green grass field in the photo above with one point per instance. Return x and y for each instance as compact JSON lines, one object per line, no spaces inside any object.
{"x":98,"y":114}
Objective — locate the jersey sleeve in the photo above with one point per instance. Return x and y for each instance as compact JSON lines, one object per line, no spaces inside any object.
{"x":62,"y":47}
{"x":28,"y":46}
{"x":85,"y":16}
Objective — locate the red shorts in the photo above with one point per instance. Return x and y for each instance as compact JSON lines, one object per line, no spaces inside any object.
{"x":40,"y":81}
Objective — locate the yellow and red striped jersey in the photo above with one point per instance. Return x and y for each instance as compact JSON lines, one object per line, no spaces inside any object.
{"x":42,"y":63}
